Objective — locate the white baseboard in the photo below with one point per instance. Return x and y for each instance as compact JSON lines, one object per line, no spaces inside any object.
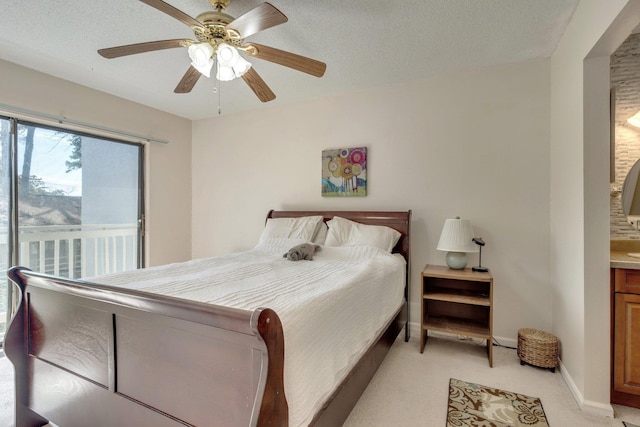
{"x":506,"y":342}
{"x":588,"y":406}
{"x":414,"y":328}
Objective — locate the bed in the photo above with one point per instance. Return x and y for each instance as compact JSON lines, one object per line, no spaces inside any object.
{"x":86,"y":352}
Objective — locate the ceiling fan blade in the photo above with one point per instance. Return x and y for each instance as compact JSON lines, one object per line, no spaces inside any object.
{"x":257,"y":19}
{"x":188,"y":81}
{"x":131,"y":49}
{"x":288,"y":59}
{"x":173,"y":12}
{"x":258,"y":86}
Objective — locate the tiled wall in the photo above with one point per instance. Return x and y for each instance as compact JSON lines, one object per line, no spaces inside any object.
{"x":625,"y":80}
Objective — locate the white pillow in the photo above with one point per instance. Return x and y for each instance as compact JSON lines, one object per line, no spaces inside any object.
{"x":343,"y":232}
{"x":305,"y":228}
{"x":322,"y":234}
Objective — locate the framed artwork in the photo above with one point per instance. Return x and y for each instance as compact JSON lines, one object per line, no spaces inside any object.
{"x":344,"y":172}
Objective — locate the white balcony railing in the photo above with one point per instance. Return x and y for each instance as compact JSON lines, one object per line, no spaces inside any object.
{"x":79,"y":251}
{"x":75,"y":251}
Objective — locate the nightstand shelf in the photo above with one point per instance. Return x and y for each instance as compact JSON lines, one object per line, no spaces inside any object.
{"x":457,"y":295}
{"x":452,"y":325}
{"x":458,"y":302}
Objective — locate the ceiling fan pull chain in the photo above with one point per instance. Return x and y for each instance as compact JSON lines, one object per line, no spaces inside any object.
{"x":217,"y":90}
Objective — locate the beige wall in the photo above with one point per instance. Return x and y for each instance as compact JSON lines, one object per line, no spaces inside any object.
{"x":580,"y":194}
{"x":168,"y":167}
{"x":474,"y":144}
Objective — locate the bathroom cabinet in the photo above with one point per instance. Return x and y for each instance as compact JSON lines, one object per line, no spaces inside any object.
{"x":625,"y":375}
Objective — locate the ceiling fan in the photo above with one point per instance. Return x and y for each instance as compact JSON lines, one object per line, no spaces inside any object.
{"x":221,"y":36}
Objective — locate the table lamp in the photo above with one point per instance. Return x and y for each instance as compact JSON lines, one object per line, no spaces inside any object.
{"x":456,"y":240}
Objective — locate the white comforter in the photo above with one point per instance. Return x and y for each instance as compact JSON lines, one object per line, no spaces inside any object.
{"x":331,"y":308}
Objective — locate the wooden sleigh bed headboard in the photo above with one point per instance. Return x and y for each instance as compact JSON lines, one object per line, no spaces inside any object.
{"x":400,"y":221}
{"x":91,"y":354}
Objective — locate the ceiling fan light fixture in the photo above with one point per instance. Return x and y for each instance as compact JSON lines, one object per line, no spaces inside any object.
{"x":219,"y":36}
{"x":201,"y":57}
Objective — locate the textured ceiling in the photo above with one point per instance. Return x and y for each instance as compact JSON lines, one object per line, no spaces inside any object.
{"x":365,"y":44}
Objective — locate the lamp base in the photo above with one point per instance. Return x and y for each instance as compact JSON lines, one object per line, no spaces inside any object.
{"x":480,"y":269}
{"x":456,"y":260}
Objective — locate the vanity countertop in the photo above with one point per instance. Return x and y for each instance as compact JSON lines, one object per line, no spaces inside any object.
{"x":619,"y":254}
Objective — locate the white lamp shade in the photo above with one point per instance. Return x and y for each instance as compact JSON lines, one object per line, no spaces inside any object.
{"x":227,"y":55}
{"x":241,"y":67}
{"x":201,"y":57}
{"x":457,"y":235}
{"x":635,"y":120}
{"x":224,"y":73}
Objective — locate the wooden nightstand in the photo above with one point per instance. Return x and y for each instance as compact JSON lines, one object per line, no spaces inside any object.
{"x":457,"y":302}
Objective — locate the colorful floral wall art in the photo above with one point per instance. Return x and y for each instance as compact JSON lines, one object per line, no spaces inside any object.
{"x":344,"y":172}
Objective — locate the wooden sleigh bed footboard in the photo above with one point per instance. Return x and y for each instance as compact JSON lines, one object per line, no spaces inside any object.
{"x":95,"y":355}
{"x":87,"y":354}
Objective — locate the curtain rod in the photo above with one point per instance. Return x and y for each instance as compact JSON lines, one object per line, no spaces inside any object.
{"x":62,"y":120}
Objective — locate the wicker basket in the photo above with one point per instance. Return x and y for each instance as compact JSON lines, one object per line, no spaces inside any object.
{"x":538,"y":348}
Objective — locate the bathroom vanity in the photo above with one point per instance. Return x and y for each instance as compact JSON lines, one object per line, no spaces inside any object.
{"x":625,"y":323}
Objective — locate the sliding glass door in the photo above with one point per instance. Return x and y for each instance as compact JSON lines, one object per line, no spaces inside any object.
{"x":79,"y":204}
{"x":5,"y":219}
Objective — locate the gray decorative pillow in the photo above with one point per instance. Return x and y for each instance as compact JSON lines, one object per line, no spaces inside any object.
{"x":302,"y":251}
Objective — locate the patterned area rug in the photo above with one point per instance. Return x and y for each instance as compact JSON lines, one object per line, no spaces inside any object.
{"x":477,"y":405}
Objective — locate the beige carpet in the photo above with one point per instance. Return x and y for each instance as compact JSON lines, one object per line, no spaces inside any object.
{"x":411,"y":389}
{"x":6,"y":391}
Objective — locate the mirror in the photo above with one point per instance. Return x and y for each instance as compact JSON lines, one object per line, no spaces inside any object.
{"x":631,"y":195}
